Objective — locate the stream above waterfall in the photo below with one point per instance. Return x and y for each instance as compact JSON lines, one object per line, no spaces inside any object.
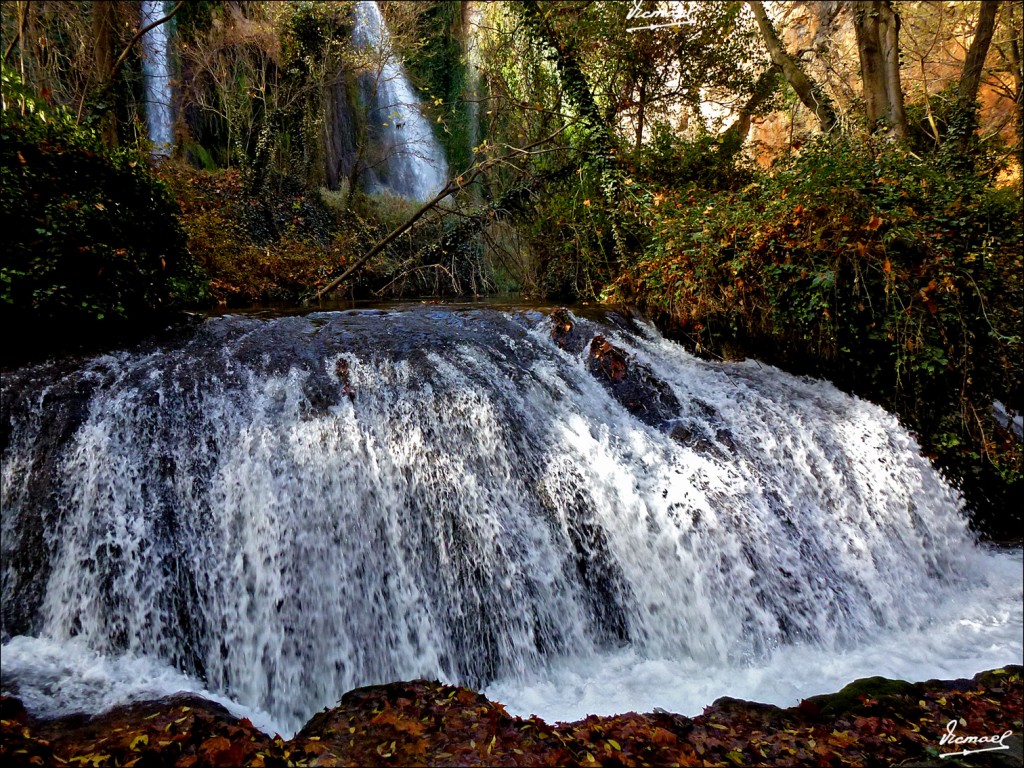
{"x":275,"y":510}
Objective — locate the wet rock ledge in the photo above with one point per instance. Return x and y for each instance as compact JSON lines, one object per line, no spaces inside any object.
{"x":871,"y":722}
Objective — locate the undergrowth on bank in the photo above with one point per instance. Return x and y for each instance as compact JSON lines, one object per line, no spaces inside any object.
{"x":257,"y":250}
{"x":897,"y":277}
{"x":91,"y":235}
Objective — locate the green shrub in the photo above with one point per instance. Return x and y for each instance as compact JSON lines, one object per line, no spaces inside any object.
{"x":90,"y":234}
{"x":888,"y":274}
{"x":672,"y":160}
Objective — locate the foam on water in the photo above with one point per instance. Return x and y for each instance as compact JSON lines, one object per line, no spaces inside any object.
{"x":287,"y":509}
{"x":979,"y":630}
{"x":54,"y":679}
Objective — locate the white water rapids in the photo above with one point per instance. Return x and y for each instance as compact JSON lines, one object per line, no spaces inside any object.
{"x":277,"y":511}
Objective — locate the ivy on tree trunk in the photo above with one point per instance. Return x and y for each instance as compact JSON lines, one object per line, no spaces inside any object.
{"x":598,"y":138}
{"x":878,"y":27}
{"x":970,"y":78}
{"x":103,"y":21}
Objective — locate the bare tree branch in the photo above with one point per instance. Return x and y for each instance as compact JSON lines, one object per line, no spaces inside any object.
{"x":454,"y":185}
{"x":138,"y":36}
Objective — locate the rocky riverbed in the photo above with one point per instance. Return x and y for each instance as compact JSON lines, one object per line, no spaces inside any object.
{"x":870,"y":722}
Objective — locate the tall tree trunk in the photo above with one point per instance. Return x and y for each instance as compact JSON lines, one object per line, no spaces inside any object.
{"x":599,"y":140}
{"x":871,"y":72}
{"x":970,"y":78}
{"x":103,"y":37}
{"x":878,"y":27}
{"x":764,"y":89}
{"x":641,"y":105}
{"x":1017,"y":72}
{"x":21,"y":11}
{"x":889,"y":34}
{"x":807,"y":90}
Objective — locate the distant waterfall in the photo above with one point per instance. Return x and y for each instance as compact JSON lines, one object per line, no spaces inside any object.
{"x":157,"y":79}
{"x":404,"y":157}
{"x":285,"y":509}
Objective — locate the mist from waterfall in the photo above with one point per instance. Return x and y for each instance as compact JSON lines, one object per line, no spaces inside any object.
{"x":157,"y":79}
{"x":402,"y":157}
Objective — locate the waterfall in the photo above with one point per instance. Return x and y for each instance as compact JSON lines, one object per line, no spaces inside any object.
{"x":157,"y":79}
{"x":279,"y":510}
{"x":403,"y":156}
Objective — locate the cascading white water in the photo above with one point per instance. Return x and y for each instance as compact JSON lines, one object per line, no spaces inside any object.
{"x":157,"y":79}
{"x":403,"y":155}
{"x":290,"y":508}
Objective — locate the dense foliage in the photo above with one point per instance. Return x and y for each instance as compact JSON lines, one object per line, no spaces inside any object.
{"x":440,"y":64}
{"x":887,"y":273}
{"x":91,"y":235}
{"x":253,"y":252}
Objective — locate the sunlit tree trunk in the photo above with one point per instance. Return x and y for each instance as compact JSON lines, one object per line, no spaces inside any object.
{"x":809,"y":92}
{"x":1013,"y":54}
{"x":970,"y":78}
{"x":878,"y":28}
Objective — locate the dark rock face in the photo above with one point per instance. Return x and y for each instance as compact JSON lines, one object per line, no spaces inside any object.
{"x":567,"y":333}
{"x":632,"y":383}
{"x":870,"y":722}
{"x":62,"y":410}
{"x":342,"y":128}
{"x":636,"y":387}
{"x":695,"y":434}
